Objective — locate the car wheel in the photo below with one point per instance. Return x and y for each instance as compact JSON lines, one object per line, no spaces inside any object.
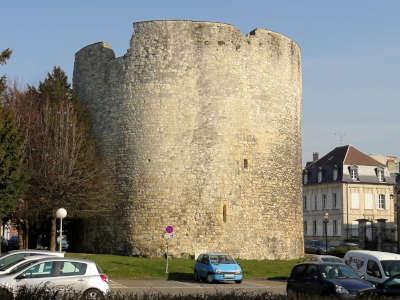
{"x":291,"y":295}
{"x":238,"y":281}
{"x":196,"y":276}
{"x":210,"y":278}
{"x":93,"y":294}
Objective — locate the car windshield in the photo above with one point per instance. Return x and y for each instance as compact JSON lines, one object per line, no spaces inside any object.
{"x":391,"y":267}
{"x":221,"y":259}
{"x":8,"y":261}
{"x":331,"y":259}
{"x":338,"y":271}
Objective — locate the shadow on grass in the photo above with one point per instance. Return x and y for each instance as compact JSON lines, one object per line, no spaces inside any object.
{"x":278,"y":278}
{"x":180,"y":276}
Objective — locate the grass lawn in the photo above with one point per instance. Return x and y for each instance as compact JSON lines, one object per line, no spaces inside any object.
{"x":128,"y":267}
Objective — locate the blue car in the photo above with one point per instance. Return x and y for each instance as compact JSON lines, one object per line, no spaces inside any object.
{"x":213,"y":267}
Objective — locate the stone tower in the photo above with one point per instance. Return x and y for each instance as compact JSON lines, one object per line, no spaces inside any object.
{"x":200,"y":125}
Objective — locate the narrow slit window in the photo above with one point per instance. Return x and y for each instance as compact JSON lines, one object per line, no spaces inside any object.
{"x":245,"y":163}
{"x":224,"y":213}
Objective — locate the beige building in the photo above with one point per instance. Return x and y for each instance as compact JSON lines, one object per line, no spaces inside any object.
{"x":356,"y":193}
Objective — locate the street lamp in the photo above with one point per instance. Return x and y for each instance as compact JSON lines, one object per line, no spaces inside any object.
{"x":326,"y":220}
{"x":61,"y":213}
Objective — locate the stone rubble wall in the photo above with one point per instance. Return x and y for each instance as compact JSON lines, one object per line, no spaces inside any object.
{"x":177,"y":116}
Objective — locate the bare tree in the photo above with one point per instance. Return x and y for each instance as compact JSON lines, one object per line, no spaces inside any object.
{"x":65,"y":169}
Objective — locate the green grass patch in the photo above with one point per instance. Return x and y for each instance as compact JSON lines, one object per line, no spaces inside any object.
{"x":127,"y":267}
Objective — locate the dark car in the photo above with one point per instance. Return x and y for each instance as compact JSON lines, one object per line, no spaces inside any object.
{"x":326,"y":279}
{"x":315,"y":247}
{"x":389,"y":288}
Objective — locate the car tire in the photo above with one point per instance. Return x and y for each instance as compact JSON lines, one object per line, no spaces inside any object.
{"x":92,"y":294}
{"x":210,"y":278}
{"x":238,"y":281}
{"x":291,"y":295}
{"x":196,"y":276}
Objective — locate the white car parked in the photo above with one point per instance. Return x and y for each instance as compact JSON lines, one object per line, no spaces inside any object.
{"x":26,"y":261}
{"x":376,"y":266}
{"x":61,"y":274}
{"x":10,"y":258}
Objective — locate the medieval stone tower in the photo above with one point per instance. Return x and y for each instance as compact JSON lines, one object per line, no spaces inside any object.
{"x":200,"y":126}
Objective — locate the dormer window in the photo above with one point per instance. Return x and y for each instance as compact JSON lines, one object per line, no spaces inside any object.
{"x":334,"y":172}
{"x":354,"y":173}
{"x":380,"y":174}
{"x":319,"y":175}
{"x":305,"y":178}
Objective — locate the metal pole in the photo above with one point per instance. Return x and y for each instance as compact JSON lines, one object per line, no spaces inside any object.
{"x":326,"y":237}
{"x":60,"y":247}
{"x":166,"y":267}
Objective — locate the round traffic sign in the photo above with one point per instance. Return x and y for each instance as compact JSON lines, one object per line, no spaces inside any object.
{"x":169,"y":229}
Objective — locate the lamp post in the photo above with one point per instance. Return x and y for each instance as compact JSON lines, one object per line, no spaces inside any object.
{"x":61,"y":213}
{"x":326,"y":220}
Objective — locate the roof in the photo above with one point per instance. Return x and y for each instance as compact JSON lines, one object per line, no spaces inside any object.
{"x":378,"y":254}
{"x":345,"y":155}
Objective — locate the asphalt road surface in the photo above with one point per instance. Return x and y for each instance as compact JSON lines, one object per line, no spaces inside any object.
{"x":193,"y":287}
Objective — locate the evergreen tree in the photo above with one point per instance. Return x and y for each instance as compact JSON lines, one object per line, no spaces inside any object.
{"x":4,"y":56}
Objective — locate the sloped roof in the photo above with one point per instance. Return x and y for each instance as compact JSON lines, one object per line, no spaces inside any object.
{"x":356,"y":157}
{"x":346,"y":155}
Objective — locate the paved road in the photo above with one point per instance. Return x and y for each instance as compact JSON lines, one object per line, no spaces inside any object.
{"x":193,"y":287}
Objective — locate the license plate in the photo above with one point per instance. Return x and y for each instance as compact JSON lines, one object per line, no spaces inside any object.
{"x":229,"y":276}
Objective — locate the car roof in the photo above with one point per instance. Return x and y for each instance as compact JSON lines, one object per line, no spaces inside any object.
{"x":30,"y":251}
{"x":35,"y":257}
{"x":376,"y":254}
{"x":214,"y":253}
{"x":318,"y":262}
{"x":57,"y":258}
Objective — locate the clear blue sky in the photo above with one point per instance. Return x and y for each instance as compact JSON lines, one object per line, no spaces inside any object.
{"x":350,"y":53}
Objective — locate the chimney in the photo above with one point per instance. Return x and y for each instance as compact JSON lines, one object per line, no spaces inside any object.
{"x":315,"y":156}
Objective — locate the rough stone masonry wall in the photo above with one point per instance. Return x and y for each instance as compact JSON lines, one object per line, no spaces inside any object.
{"x":178,"y":115}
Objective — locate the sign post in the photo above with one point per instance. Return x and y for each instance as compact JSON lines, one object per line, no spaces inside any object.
{"x":169,"y":234}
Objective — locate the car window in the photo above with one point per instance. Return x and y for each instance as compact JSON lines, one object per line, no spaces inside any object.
{"x":338,"y":271}
{"x":391,"y":267}
{"x":221,"y":259}
{"x":205,"y":260}
{"x":68,"y":268}
{"x":8,"y":261}
{"x":311,"y":271}
{"x":199,"y":259}
{"x":373,"y":269}
{"x":39,"y":270}
{"x":298,"y":272}
{"x":393,"y":283}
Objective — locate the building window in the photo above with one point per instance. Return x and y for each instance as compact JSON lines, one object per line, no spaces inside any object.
{"x":354,"y":228}
{"x":369,"y":201}
{"x":305,"y":178}
{"x":245,"y":163}
{"x":314,"y":228}
{"x":323,"y":201}
{"x":305,"y":202}
{"x":334,"y":173}
{"x":354,"y":173}
{"x":315,"y":203}
{"x":335,"y":231}
{"x":381,"y":175}
{"x":334,"y":201}
{"x":355,"y":201}
{"x":381,"y":201}
{"x":305,"y":227}
{"x":224,"y":213}
{"x":319,"y":175}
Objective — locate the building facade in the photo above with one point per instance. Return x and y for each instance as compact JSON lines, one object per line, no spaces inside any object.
{"x":200,"y":127}
{"x":355,"y":190}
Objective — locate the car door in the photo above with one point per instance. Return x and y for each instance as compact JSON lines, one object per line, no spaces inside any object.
{"x":36,"y":276}
{"x":373,"y":272}
{"x":69,"y":275}
{"x":312,"y":284}
{"x":391,"y":287}
{"x":296,"y":280}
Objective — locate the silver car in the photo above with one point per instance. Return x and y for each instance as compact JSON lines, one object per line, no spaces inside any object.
{"x":61,"y":274}
{"x":26,"y":261}
{"x":10,"y":258}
